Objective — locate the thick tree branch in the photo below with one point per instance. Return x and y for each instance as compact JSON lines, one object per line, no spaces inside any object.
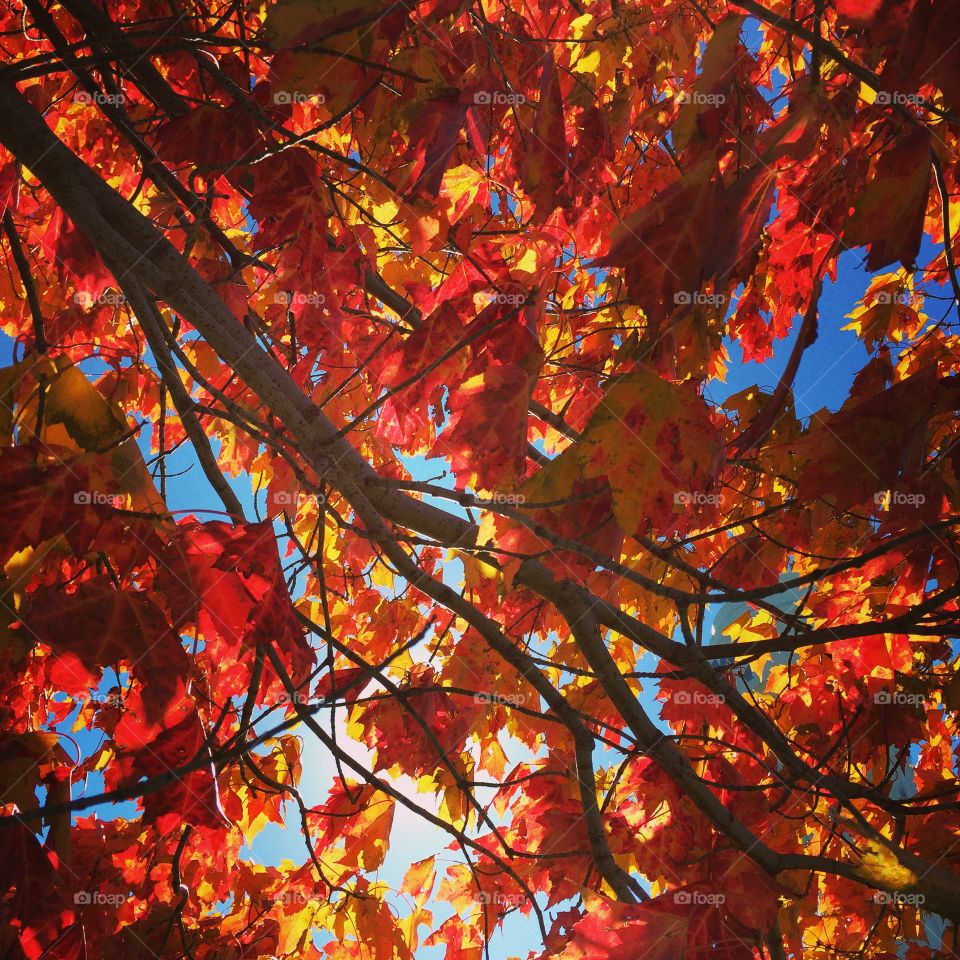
{"x":26,"y":278}
{"x":151,"y":322}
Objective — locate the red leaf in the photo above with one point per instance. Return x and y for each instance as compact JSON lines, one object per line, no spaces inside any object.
{"x":227,"y":579}
{"x":861,"y":11}
{"x":433,"y":139}
{"x":688,"y":923}
{"x":98,"y":626}
{"x":41,"y":499}
{"x":695,"y":231}
{"x":34,"y":908}
{"x":889,"y":213}
{"x":545,"y":156}
{"x":346,"y":684}
{"x":869,"y":447}
{"x":211,"y":136}
{"x":190,"y":798}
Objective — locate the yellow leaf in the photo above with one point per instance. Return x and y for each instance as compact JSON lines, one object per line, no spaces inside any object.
{"x":419,"y":879}
{"x":588,"y":63}
{"x":90,"y":421}
{"x":76,"y":414}
{"x":475,"y":571}
{"x":580,"y":25}
{"x":881,"y":866}
{"x":460,"y":182}
{"x":22,"y":566}
{"x":652,"y":440}
{"x":381,"y":576}
{"x":386,"y":212}
{"x":10,"y":379}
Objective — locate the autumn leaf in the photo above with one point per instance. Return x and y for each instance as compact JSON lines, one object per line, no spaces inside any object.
{"x":696,"y":230}
{"x":846,"y":444}
{"x":210,"y":135}
{"x":606,"y":932}
{"x":385,"y":569}
{"x":296,"y":22}
{"x":188,"y":799}
{"x":652,"y":442}
{"x":98,"y":626}
{"x":889,"y":213}
{"x":545,"y":157}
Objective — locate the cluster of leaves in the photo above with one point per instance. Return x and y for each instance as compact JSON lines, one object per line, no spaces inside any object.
{"x":312,"y":241}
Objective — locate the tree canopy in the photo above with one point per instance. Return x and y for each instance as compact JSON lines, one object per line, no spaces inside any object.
{"x":675,"y":676}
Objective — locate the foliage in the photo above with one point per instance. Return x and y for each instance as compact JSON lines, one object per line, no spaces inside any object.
{"x":309,"y":242}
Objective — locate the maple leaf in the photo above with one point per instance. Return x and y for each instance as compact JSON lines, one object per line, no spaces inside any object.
{"x":889,"y":213}
{"x":434,"y":138}
{"x":211,"y":136}
{"x":99,"y":626}
{"x":36,"y":911}
{"x":346,"y":684}
{"x":437,"y":336}
{"x":686,"y":923}
{"x":43,"y":498}
{"x":362,"y":818}
{"x":77,"y":258}
{"x":190,"y":798}
{"x":848,"y":444}
{"x":287,"y":191}
{"x":229,"y":582}
{"x":752,"y":561}
{"x":545,"y":157}
{"x":293,"y":23}
{"x":75,"y":412}
{"x":289,"y":206}
{"x":696,"y":230}
{"x":654,"y":445}
{"x":863,"y":10}
{"x":506,"y":389}
{"x":705,"y":109}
